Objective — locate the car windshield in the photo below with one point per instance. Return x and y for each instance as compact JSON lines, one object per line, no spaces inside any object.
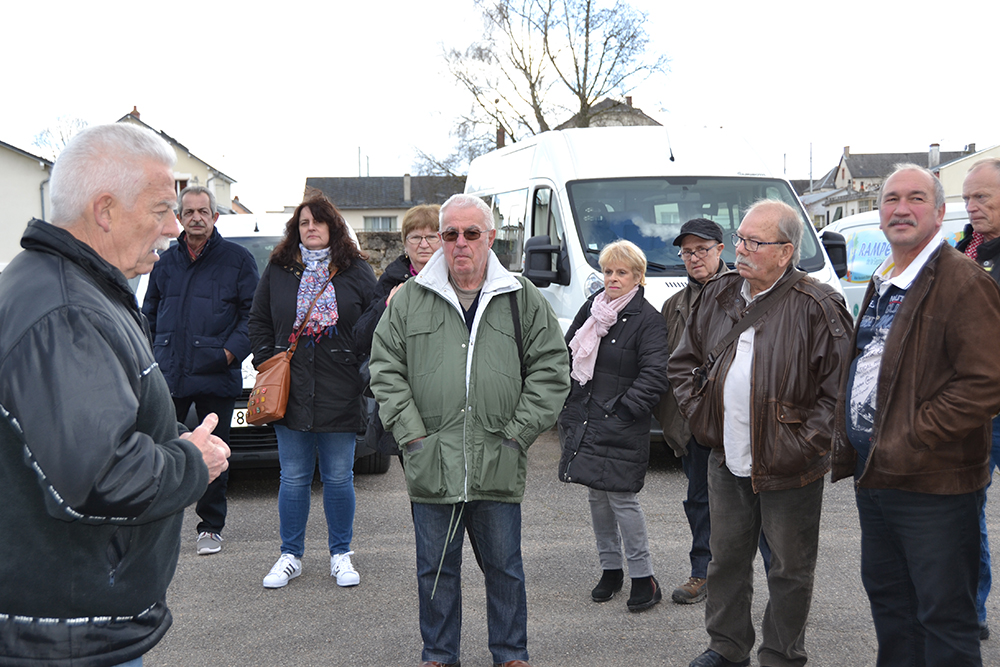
{"x":650,"y":211}
{"x":259,"y":246}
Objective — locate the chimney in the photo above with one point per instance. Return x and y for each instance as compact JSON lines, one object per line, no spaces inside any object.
{"x":406,"y":187}
{"x":501,"y":136}
{"x":847,"y":151}
{"x":628,"y":100}
{"x":934,"y":156}
{"x":970,"y":149}
{"x":134,"y":112}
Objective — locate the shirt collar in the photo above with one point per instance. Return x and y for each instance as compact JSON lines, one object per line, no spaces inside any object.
{"x":882,"y":278}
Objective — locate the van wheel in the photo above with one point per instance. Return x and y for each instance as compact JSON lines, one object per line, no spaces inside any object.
{"x":373,"y":464}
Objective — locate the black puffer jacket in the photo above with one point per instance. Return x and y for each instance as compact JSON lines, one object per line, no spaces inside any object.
{"x":396,"y":273}
{"x":325,"y":395}
{"x":604,"y":425}
{"x":987,"y":254}
{"x":93,"y":478}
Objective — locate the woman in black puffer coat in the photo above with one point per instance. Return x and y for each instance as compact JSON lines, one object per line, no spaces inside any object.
{"x":618,"y":343}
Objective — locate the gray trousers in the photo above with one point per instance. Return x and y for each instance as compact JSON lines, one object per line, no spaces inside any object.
{"x":790,"y":519}
{"x":618,"y":519}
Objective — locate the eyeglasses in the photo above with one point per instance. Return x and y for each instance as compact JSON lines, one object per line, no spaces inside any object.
{"x":700,"y":253}
{"x":451,"y":235}
{"x":417,"y":239}
{"x":752,"y":245}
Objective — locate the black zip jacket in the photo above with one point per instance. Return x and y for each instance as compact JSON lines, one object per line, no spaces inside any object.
{"x":93,"y":478}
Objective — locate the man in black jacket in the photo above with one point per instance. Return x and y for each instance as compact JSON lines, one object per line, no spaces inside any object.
{"x":198,"y":303}
{"x":981,"y":192}
{"x":93,"y":475}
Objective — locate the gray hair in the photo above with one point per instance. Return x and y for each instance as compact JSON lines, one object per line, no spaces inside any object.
{"x":196,"y":190}
{"x":468,"y":201}
{"x":104,"y":158}
{"x":987,"y":162}
{"x":789,"y":223}
{"x":909,"y":166}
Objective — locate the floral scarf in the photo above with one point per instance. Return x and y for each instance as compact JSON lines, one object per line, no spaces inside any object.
{"x":323,"y":316}
{"x":603,"y":314}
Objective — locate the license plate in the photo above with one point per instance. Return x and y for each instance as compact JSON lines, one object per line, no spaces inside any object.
{"x":239,"y":418}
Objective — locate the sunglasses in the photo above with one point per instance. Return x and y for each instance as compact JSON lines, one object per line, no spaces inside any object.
{"x":451,"y":235}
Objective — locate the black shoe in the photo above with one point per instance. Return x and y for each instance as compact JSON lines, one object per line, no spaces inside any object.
{"x":712,"y":659}
{"x":984,"y":631}
{"x":610,"y":583}
{"x":645,"y":593}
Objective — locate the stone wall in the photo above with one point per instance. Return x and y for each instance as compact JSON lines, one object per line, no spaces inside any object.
{"x":382,"y":247}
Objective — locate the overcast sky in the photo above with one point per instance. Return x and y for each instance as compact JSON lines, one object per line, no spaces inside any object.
{"x":271,"y":97}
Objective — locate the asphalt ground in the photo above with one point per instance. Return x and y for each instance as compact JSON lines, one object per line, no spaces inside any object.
{"x":224,"y":617}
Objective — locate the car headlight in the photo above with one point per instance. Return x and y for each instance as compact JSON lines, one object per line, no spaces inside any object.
{"x":592,"y":285}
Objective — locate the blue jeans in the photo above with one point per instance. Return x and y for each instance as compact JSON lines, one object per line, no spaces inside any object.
{"x":985,"y":568}
{"x":497,"y":527}
{"x":297,"y":452}
{"x":920,"y":566}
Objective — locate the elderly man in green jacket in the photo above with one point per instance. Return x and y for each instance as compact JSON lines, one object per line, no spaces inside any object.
{"x":468,"y":366}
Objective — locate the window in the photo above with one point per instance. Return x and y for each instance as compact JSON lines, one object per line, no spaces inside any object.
{"x":375,"y":223}
{"x":864,"y":206}
{"x":508,"y":219}
{"x":650,"y":211}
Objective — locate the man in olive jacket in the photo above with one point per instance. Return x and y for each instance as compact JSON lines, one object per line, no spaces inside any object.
{"x":466,"y":404}
{"x":913,"y":424}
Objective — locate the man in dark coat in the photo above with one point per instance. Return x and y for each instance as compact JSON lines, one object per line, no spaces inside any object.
{"x":981,"y":192}
{"x":197,"y":303}
{"x":93,"y":476}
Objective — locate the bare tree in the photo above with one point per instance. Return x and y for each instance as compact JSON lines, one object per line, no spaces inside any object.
{"x":531,"y":46}
{"x":52,"y":140}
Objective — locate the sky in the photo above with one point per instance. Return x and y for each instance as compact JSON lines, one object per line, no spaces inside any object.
{"x":302,"y":89}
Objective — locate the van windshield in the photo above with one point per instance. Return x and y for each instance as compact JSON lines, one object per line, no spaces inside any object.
{"x":650,"y":211}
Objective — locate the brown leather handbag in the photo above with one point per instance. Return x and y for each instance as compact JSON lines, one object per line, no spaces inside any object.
{"x":269,"y":398}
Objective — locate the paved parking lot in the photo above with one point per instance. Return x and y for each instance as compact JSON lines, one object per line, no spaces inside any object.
{"x":224,"y":617}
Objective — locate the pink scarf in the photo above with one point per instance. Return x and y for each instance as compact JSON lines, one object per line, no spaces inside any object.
{"x":603,"y":314}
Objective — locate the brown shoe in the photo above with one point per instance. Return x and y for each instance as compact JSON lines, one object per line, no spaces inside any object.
{"x":691,"y":592}
{"x":511,"y":663}
{"x":435,"y":663}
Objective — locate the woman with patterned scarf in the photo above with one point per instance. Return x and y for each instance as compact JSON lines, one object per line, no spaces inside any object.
{"x":314,"y":288}
{"x":618,"y":348}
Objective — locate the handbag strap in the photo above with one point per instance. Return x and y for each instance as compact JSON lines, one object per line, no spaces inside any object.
{"x":755,"y":313}
{"x":305,"y":320}
{"x":516,"y":317}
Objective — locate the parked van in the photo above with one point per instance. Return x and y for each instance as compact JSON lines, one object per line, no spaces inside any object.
{"x":867,"y":247}
{"x":558,"y":198}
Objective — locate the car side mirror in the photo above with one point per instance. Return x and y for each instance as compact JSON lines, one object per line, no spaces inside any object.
{"x":539,"y":252}
{"x":836,"y":249}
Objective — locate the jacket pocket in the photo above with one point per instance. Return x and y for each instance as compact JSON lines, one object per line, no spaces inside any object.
{"x":791,"y":452}
{"x":501,"y":470}
{"x":208,"y":355}
{"x":425,"y":477}
{"x":425,"y":340}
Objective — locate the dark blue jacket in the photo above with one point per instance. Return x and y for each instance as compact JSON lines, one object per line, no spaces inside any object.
{"x":199,"y":309}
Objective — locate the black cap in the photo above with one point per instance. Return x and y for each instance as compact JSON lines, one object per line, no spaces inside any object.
{"x":702,"y":228}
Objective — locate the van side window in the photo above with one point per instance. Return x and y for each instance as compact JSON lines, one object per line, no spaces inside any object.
{"x":508,"y":219}
{"x":545,"y":216}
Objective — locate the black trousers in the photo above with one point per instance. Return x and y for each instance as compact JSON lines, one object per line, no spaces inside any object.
{"x":211,"y":508}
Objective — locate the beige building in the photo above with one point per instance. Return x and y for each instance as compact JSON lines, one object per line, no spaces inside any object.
{"x":378,"y":203}
{"x":190,"y":169}
{"x":24,"y":194}
{"x":952,"y":174}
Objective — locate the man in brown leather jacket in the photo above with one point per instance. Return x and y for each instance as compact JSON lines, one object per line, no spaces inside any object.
{"x":766,"y":409}
{"x":913,"y":422}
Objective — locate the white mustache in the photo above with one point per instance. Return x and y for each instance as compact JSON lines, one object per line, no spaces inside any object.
{"x":740,"y":259}
{"x":162,"y":243}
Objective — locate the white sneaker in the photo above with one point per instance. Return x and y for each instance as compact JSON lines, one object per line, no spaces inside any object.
{"x":340,"y":567}
{"x":287,"y":567}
